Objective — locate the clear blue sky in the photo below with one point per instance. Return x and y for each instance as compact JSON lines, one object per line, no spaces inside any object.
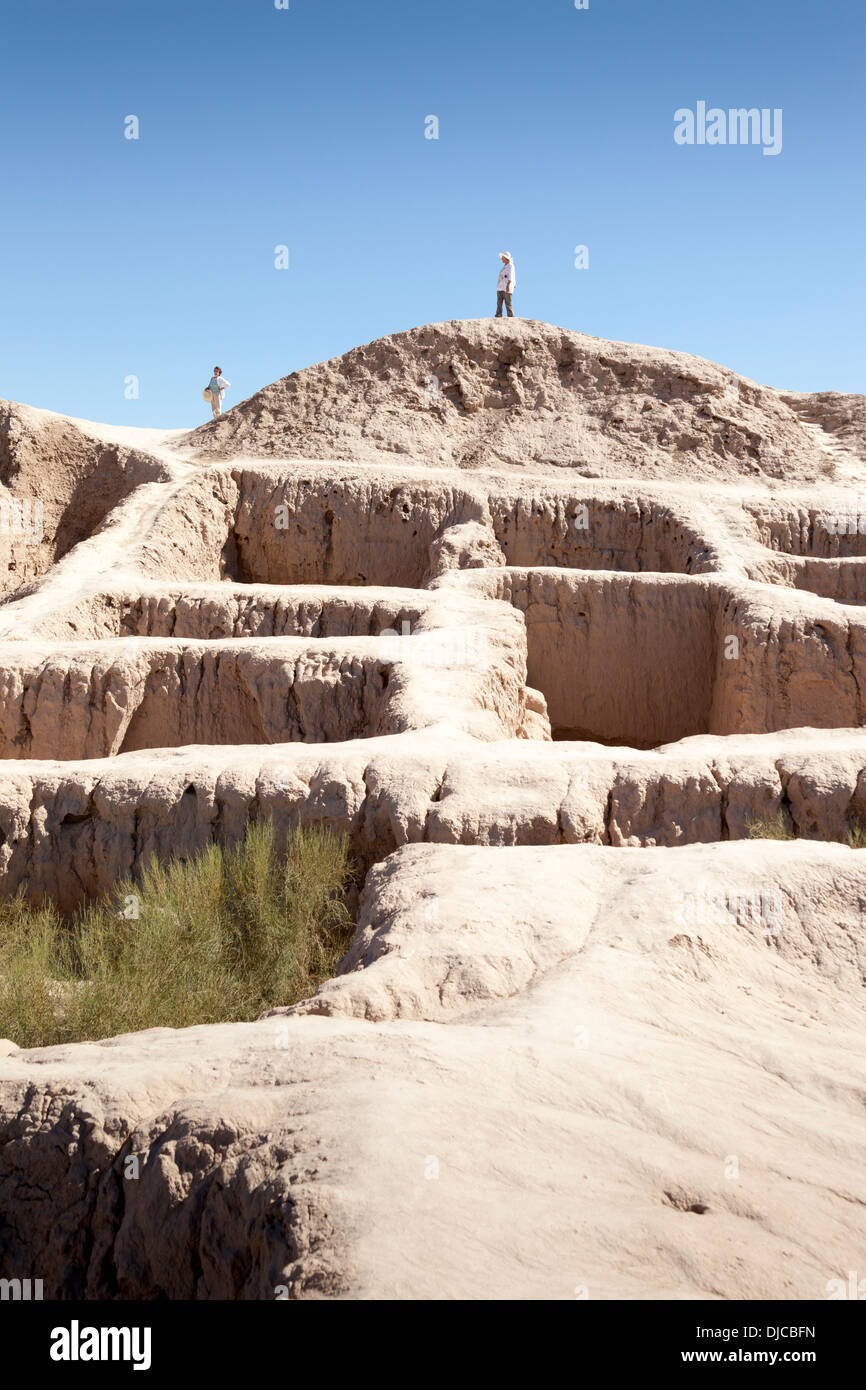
{"x":305,"y":127}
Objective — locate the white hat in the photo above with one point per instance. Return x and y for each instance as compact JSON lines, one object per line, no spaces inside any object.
{"x":506,"y":254}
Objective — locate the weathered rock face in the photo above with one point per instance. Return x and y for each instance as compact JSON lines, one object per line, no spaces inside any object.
{"x":486,"y":394}
{"x":210,"y":612}
{"x":57,"y":486}
{"x":840,"y":418}
{"x":74,"y":829}
{"x":95,"y":702}
{"x":546,"y":709}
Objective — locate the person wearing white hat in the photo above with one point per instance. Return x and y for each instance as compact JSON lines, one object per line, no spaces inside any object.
{"x":505,"y":285}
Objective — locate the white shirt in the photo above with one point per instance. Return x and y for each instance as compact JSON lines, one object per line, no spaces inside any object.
{"x":507,"y":277}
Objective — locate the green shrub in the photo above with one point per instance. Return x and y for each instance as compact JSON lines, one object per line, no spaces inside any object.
{"x":221,"y":936}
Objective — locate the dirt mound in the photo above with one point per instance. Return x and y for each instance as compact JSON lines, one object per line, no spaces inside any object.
{"x":841,"y":417}
{"x":486,"y":393}
{"x":57,"y":486}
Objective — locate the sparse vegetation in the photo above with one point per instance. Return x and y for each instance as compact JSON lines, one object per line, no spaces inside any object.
{"x":224,"y":935}
{"x":777,"y":828}
{"x":857,"y":835}
{"x":770,"y":828}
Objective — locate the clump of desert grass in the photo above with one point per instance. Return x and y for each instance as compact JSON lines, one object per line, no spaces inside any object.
{"x":856,"y":837}
{"x":778,"y":828}
{"x":220,"y":936}
{"x":770,"y":828}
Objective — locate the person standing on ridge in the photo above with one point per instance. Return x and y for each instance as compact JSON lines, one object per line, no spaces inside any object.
{"x":216,"y":386}
{"x":505,"y":285}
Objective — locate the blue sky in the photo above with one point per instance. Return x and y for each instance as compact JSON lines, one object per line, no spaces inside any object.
{"x":305,"y":127}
